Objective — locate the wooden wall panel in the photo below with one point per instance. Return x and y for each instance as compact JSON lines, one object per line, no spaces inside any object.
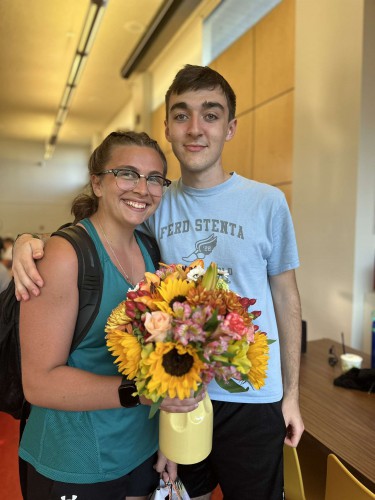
{"x":274,"y":52}
{"x":273,"y":141}
{"x":236,"y":64}
{"x":287,"y":190}
{"x":158,"y":133}
{"x":173,"y":166}
{"x":237,"y":153}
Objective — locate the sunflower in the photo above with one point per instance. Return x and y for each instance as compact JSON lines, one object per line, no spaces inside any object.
{"x":174,"y":370}
{"x":172,"y":291}
{"x":117,"y":319}
{"x":126,"y":347}
{"x":258,"y":357}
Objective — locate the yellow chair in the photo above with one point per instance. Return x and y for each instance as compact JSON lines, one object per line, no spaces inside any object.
{"x":342,"y":485}
{"x":293,"y":483}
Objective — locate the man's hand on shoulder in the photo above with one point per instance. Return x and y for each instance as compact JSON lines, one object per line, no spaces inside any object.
{"x":27,"y":280}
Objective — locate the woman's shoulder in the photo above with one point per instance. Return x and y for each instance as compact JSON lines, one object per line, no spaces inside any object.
{"x":59,"y":256}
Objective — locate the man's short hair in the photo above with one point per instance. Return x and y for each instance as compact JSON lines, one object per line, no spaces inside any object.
{"x":198,"y":78}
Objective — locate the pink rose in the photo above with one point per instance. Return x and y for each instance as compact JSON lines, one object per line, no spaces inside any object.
{"x":157,"y":324}
{"x":235,"y":324}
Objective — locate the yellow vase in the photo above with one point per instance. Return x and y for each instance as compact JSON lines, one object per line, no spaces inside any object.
{"x":186,"y":438}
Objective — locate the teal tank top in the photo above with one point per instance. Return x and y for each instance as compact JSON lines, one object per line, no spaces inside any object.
{"x":92,"y":446}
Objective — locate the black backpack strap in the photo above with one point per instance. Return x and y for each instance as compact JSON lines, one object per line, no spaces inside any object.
{"x":90,"y":279}
{"x":151,"y":247}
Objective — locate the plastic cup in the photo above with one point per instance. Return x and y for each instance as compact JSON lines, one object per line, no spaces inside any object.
{"x":349,"y":361}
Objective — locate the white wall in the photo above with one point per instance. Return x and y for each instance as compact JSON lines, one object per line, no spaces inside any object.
{"x":124,"y":120}
{"x":334,"y":218}
{"x":364,"y":257}
{"x":36,"y":195}
{"x":184,"y":48}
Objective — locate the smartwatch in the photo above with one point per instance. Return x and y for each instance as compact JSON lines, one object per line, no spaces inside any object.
{"x":126,"y":394}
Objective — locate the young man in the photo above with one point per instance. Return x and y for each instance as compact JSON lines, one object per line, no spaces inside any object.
{"x":245,"y":227}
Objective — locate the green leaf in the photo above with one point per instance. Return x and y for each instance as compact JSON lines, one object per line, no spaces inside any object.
{"x":231,"y":386}
{"x":270,"y":341}
{"x":212,"y":323}
{"x":154,"y":408}
{"x":228,"y":355}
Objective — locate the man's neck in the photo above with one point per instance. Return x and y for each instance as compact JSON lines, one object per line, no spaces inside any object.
{"x":204,"y":180}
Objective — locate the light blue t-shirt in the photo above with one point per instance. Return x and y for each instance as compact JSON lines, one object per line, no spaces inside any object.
{"x":92,"y":446}
{"x":245,"y":227}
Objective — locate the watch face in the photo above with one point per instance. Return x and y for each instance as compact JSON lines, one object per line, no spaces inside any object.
{"x":126,"y":392}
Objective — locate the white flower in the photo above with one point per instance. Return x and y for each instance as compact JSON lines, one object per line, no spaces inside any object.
{"x":223,"y":273}
{"x":195,"y":273}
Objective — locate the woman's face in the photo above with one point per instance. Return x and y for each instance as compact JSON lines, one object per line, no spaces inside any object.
{"x":129,"y":205}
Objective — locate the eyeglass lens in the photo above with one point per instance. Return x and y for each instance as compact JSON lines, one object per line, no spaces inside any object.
{"x":128,"y":179}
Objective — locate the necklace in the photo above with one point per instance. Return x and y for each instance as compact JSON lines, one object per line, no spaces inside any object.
{"x":115,"y":256}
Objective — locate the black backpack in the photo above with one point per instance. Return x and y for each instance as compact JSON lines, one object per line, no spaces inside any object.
{"x":90,"y":284}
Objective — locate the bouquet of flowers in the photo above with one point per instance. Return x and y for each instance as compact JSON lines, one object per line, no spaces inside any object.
{"x":180,"y":328}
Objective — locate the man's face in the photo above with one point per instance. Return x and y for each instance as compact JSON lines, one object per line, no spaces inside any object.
{"x":198,"y":127}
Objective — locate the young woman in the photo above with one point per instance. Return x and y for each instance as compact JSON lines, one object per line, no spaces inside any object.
{"x":79,"y":442}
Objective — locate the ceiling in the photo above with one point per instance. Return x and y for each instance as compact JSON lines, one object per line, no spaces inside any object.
{"x":38,"y":40}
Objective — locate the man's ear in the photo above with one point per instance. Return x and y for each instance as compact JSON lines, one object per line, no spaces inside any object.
{"x":96,"y":184}
{"x":232,"y":127}
{"x":166,"y":131}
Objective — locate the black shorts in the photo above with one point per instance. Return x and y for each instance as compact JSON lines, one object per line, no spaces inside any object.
{"x":139,"y":482}
{"x":247,"y":454}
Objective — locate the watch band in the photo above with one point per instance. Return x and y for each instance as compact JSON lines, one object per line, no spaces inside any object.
{"x":126,"y":392}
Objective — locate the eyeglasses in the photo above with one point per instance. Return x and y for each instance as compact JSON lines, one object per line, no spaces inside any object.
{"x":127,"y":179}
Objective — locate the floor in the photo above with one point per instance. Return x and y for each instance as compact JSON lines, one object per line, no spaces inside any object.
{"x":217,"y":494}
{"x":9,"y":436}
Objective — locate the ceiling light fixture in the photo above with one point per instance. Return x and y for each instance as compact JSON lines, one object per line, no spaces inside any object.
{"x":90,"y":29}
{"x":171,"y":15}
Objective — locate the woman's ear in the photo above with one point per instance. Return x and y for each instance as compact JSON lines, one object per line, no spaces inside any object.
{"x":96,"y":183}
